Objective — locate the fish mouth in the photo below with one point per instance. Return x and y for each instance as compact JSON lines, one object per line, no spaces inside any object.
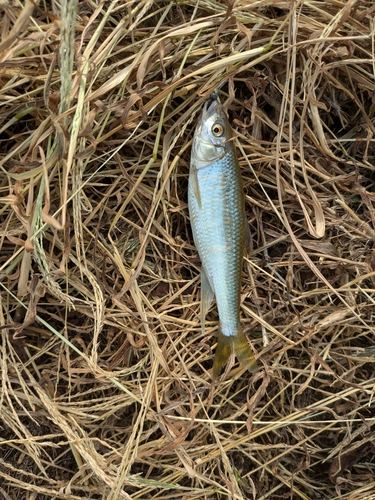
{"x":213,"y":107}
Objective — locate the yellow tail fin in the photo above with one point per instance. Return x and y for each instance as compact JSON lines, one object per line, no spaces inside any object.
{"x":241,"y":348}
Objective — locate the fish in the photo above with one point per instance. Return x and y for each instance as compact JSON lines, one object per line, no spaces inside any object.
{"x":220,"y":230}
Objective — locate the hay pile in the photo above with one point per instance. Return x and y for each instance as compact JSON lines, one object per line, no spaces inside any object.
{"x":106,"y":378}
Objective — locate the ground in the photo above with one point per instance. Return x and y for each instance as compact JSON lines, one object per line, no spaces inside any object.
{"x":107,"y":389}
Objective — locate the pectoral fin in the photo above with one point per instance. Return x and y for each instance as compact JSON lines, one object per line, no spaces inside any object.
{"x":195,"y":185}
{"x":207,"y":295}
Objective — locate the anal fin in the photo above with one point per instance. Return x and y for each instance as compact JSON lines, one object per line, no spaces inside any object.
{"x":207,"y":295}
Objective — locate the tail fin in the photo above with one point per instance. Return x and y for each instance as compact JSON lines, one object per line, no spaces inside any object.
{"x":243,"y":351}
{"x":240,"y":347}
{"x":223,"y":351}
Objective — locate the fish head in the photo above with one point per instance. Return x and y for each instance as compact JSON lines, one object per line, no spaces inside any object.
{"x":212,"y":135}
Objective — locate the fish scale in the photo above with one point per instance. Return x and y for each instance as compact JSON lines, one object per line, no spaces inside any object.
{"x":217,"y":216}
{"x":218,"y":234}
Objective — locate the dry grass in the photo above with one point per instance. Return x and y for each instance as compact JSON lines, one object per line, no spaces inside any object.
{"x":106,"y":378}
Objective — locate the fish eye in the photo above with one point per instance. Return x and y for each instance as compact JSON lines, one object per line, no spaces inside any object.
{"x":217,"y":129}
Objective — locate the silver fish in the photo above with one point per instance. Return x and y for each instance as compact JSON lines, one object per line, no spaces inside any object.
{"x":218,"y":221}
